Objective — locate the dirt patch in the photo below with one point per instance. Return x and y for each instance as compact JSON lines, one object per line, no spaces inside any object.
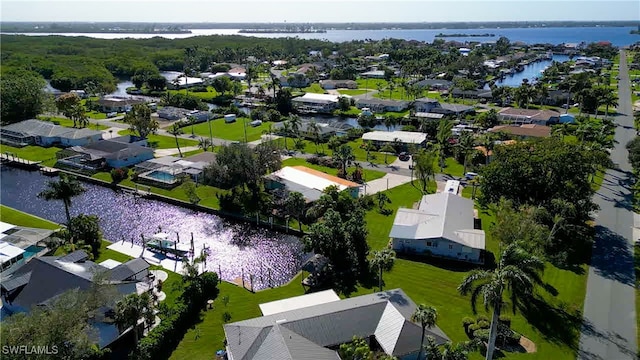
{"x":528,"y":345}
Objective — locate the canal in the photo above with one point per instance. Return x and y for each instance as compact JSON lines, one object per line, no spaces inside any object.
{"x":236,"y":248}
{"x":530,"y":72}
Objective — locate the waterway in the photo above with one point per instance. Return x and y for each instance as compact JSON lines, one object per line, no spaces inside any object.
{"x":618,"y":36}
{"x":235,"y":247}
{"x":530,"y":72}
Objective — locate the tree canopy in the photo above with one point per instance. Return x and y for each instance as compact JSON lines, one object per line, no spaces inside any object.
{"x":22,"y":96}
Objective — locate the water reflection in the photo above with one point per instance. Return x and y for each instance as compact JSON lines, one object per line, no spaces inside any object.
{"x":235,"y":248}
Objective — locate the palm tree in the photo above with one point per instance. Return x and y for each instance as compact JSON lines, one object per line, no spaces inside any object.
{"x":608,"y":98}
{"x":466,"y":146}
{"x":294,"y":122}
{"x":442,"y":139}
{"x":369,"y":147}
{"x":382,"y":260}
{"x":426,"y":316}
{"x":294,"y":206}
{"x":386,"y":149}
{"x":516,"y":274}
{"x":175,"y":130}
{"x":314,"y":131}
{"x":286,"y":130}
{"x":425,"y":167}
{"x":488,"y":141}
{"x":390,"y":121}
{"x":64,"y":189}
{"x":562,"y":130}
{"x":131,"y":309}
{"x":344,"y":155}
{"x":204,"y":144}
{"x":192,"y":122}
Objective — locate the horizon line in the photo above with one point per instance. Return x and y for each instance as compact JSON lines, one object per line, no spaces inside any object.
{"x":322,"y":22}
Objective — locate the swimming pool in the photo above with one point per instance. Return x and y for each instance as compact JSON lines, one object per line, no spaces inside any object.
{"x":161,"y":176}
{"x":32,"y":251}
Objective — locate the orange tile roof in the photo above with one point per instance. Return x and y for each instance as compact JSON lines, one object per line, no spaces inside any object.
{"x":332,"y":178}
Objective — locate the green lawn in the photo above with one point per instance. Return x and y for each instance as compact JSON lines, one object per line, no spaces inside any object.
{"x":358,"y":152}
{"x":164,"y":142}
{"x":208,"y":194}
{"x":314,"y":88}
{"x":397,"y":94}
{"x":353,"y":92}
{"x":47,"y":155}
{"x":17,"y":217}
{"x":452,"y":167}
{"x":367,"y":173}
{"x":371,"y":84}
{"x":205,"y":96}
{"x":554,"y":330}
{"x":229,"y":131}
{"x":96,"y":115}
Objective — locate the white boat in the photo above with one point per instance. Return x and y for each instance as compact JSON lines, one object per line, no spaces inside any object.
{"x":162,"y":243}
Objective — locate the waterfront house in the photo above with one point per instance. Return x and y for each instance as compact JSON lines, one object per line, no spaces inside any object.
{"x":321,"y":103}
{"x":311,"y":183}
{"x":524,"y":131}
{"x":325,"y":131}
{"x":374,"y":74}
{"x":296,"y":80}
{"x":380,"y":105}
{"x":118,"y":104}
{"x":452,"y":109}
{"x":18,"y":244}
{"x":338,"y":84}
{"x":425,"y":105}
{"x":46,"y":133}
{"x":443,"y":226}
{"x":313,"y":327}
{"x":183,"y":82}
{"x":379,"y":138}
{"x":45,"y":278}
{"x":472,"y":94}
{"x":528,"y":116}
{"x":172,"y":113}
{"x":434,"y":84}
{"x":105,"y":153}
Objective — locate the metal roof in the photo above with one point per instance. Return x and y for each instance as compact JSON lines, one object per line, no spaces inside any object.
{"x":406,"y":137}
{"x":298,"y":302}
{"x":304,"y":333}
{"x":128,"y":269}
{"x":442,"y":215}
{"x":34,"y":127}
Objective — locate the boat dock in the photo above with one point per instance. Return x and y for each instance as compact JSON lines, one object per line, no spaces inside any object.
{"x":45,"y":170}
{"x":10,"y":158}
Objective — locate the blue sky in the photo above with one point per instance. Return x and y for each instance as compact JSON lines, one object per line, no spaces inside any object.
{"x":316,"y":11}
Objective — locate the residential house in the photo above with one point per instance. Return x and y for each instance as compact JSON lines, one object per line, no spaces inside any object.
{"x":472,"y":94}
{"x":44,"y":278}
{"x":105,"y":153}
{"x":338,"y":84}
{"x":172,"y":113}
{"x":380,"y":105}
{"x":452,"y":109}
{"x":118,"y":104}
{"x":325,"y":131}
{"x":46,"y":133}
{"x":18,"y":244}
{"x":311,"y":183}
{"x":81,"y":93}
{"x":443,"y":226}
{"x":315,"y":328}
{"x":425,"y":105}
{"x":528,"y":116}
{"x":310,"y":102}
{"x":434,"y":84}
{"x":379,"y":138}
{"x":373,"y":74}
{"x":523,"y":131}
{"x":167,"y":170}
{"x":184,"y":82}
{"x":296,"y":80}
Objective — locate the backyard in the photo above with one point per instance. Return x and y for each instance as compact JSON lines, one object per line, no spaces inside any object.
{"x":229,"y":131}
{"x":164,"y":142}
{"x":34,"y":153}
{"x":367,"y":173}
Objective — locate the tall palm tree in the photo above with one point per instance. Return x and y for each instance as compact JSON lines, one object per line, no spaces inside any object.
{"x":426,"y":316}
{"x":64,"y":189}
{"x":425,"y":167}
{"x":294,"y":122}
{"x":131,"y":309}
{"x":344,"y":155}
{"x":442,"y":139}
{"x":204,"y":144}
{"x":295,"y":205}
{"x":382,"y":260}
{"x":314,"y":131}
{"x":515,"y":276}
{"x":608,"y":98}
{"x":390,"y":121}
{"x":286,"y":131}
{"x":175,"y":130}
{"x":386,"y":149}
{"x":466,"y":146}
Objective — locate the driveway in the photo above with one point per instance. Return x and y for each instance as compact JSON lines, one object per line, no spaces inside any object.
{"x":609,"y":317}
{"x":385,"y":183}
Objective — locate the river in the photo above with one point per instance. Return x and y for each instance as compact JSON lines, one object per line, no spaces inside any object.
{"x":530,"y":72}
{"x":235,"y":247}
{"x":618,"y":36}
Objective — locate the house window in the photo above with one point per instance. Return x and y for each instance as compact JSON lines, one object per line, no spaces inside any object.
{"x":428,"y":243}
{"x":450,"y":246}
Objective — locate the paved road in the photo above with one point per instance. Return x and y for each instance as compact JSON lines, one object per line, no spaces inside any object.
{"x":609,"y":328}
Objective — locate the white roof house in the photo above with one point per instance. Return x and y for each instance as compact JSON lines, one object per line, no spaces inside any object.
{"x":406,"y":137}
{"x":443,"y":217}
{"x":5,"y":227}
{"x":8,"y":252}
{"x":317,"y":98}
{"x":298,"y":302}
{"x":188,"y":81}
{"x":309,"y":182}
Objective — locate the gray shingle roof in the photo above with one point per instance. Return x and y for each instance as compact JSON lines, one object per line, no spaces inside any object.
{"x":305,"y":333}
{"x":75,"y":256}
{"x":128,"y":269}
{"x":48,"y":129}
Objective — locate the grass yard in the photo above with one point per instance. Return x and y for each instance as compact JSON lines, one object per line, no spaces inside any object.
{"x":367,"y":173}
{"x":314,"y":88}
{"x":397,"y":94}
{"x":371,"y":84}
{"x":358,"y":152}
{"x":96,"y":115}
{"x":353,"y":92}
{"x":453,"y":168}
{"x":69,"y":123}
{"x":209,"y":95}
{"x":555,"y":333}
{"x":19,"y":218}
{"x":164,"y":142}
{"x":229,"y":131}
{"x":47,"y":155}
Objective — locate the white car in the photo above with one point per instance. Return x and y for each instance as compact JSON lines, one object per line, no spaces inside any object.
{"x":470,"y":175}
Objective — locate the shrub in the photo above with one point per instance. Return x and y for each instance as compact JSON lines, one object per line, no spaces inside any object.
{"x":483,"y":324}
{"x":506,"y":320}
{"x":482,"y":334}
{"x":482,"y":318}
{"x":466,"y":322}
{"x":119,"y":174}
{"x":367,"y":202}
{"x":342,"y":174}
{"x":473,"y":328}
{"x":226,"y":317}
{"x":314,"y":160}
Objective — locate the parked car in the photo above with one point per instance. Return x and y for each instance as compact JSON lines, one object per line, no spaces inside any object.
{"x":112,"y":114}
{"x":470,"y":175}
{"x":404,"y":156}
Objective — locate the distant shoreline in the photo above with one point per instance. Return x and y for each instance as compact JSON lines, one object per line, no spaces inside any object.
{"x":465,"y":35}
{"x":94,"y":31}
{"x":282,"y":31}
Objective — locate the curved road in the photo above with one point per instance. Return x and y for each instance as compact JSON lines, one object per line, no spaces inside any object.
{"x":609,"y":323}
